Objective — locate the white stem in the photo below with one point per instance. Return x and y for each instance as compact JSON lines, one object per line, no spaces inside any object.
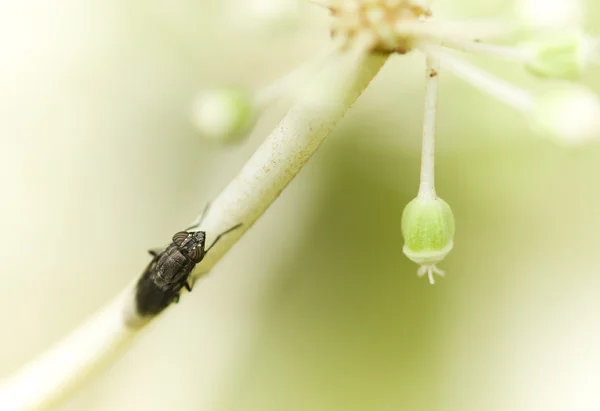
{"x":283,"y":154}
{"x":440,"y":30}
{"x":74,"y":361}
{"x":289,"y":84}
{"x":55,"y":375}
{"x":427,"y":186}
{"x":509,"y":53}
{"x":322,"y":3}
{"x":496,"y":87}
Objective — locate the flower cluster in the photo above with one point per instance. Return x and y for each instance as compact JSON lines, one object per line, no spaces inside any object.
{"x":546,"y":39}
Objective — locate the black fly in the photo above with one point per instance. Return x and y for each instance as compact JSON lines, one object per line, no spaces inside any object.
{"x":169,"y":270}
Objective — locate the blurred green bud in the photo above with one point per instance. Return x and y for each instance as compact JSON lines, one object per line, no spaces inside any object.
{"x":224,"y":115}
{"x":565,"y":56}
{"x":428,"y":231}
{"x":570,"y":115}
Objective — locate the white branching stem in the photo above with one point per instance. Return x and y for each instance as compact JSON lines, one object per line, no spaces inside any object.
{"x":284,"y":153}
{"x":289,"y":85}
{"x":72,"y":363}
{"x":509,"y":53}
{"x":427,"y":185}
{"x":492,"y":85}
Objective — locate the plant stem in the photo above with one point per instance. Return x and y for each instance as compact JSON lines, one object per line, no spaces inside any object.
{"x":510,"y":53}
{"x":72,"y":363}
{"x":437,"y":31}
{"x":283,"y":154}
{"x":427,"y":186}
{"x":58,"y":372}
{"x":322,"y":3}
{"x":496,"y":87}
{"x":292,"y":82}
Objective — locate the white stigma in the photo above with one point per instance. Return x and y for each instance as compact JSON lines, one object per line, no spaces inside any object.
{"x":430,"y":270}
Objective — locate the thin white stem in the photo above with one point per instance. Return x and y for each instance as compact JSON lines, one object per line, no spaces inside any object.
{"x":74,"y":361}
{"x":354,"y":54}
{"x":284,"y":153}
{"x":427,"y":186}
{"x":430,"y":270}
{"x":496,"y":87}
{"x":438,"y":31}
{"x":322,"y":3}
{"x":288,"y":85}
{"x":509,"y":53}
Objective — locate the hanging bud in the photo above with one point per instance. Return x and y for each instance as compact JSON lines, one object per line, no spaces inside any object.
{"x":570,"y":115}
{"x":560,"y":56}
{"x":428,"y":230}
{"x":224,"y":115}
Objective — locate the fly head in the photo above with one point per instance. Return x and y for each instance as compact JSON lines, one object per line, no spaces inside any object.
{"x":191,"y":244}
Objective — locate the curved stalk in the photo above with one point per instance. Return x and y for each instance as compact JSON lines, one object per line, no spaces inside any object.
{"x":74,"y":361}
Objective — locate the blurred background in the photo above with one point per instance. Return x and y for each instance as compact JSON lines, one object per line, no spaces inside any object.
{"x":316,"y":308}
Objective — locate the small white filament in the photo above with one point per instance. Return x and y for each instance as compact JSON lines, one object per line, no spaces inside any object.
{"x":496,"y":87}
{"x":509,"y":53}
{"x":427,"y":186}
{"x":430,"y":270}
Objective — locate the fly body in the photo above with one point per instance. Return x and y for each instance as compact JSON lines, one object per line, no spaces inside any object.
{"x":178,"y":260}
{"x":169,"y":271}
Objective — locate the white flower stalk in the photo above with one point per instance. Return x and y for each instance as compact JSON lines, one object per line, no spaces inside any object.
{"x":509,"y":53}
{"x":484,"y":81}
{"x":438,"y":31}
{"x":316,"y":92}
{"x":427,"y":183}
{"x":427,"y":221}
{"x":563,"y":55}
{"x":55,"y":375}
{"x":321,"y":3}
{"x":293,"y":85}
{"x":229,"y":114}
{"x":568,"y":115}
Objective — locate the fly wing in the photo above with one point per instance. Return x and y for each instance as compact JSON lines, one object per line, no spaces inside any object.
{"x":151,"y":267}
{"x":173,"y":267}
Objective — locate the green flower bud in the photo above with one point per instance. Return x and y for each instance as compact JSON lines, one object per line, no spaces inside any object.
{"x":428,"y":230}
{"x":569,"y":115}
{"x":224,"y":115}
{"x":565,"y":56}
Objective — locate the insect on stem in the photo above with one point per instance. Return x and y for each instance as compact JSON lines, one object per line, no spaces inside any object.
{"x":170,"y":269}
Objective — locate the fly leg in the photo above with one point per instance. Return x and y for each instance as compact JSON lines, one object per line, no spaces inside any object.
{"x":221,"y":235}
{"x":200,"y":218}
